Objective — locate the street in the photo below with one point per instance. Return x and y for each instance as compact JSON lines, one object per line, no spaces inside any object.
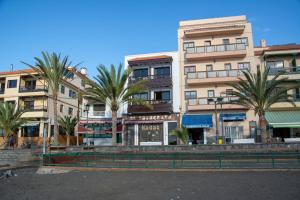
{"x":143,"y":185}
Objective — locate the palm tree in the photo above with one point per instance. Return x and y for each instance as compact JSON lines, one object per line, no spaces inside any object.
{"x":54,"y":70}
{"x":10,"y":118}
{"x":182,"y":134}
{"x":259,"y":93}
{"x":110,"y":87}
{"x":68,"y":124}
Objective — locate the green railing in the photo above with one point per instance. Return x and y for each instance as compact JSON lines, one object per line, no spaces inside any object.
{"x":287,"y":160}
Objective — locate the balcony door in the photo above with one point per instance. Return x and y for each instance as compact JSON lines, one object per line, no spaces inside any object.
{"x":162,"y":95}
{"x":30,"y":84}
{"x":29,"y":105}
{"x":140,"y":73}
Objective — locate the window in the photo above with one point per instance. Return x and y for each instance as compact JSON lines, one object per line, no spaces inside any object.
{"x":72,"y":94}
{"x":30,"y":84}
{"x":207,"y":43}
{"x":162,"y":71}
{"x":137,"y":73}
{"x":227,"y":66}
{"x":187,"y":45}
{"x":12,"y":83}
{"x":209,"y":68}
{"x":211,"y":93}
{"x":233,"y":132}
{"x":244,"y":65}
{"x":62,"y":89}
{"x":275,"y":64}
{"x":11,"y":102}
{"x":162,"y":95}
{"x":242,"y":40}
{"x":229,"y":92}
{"x":190,"y":95}
{"x":143,"y":95}
{"x":29,"y":105}
{"x":70,"y":111}
{"x":225,"y":41}
{"x":99,"y":107}
{"x":82,"y":83}
{"x":297,"y":94}
{"x":188,"y":69}
{"x":61,"y":108}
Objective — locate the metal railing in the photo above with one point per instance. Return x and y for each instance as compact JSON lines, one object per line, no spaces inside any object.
{"x":205,"y":101}
{"x":216,"y":48}
{"x":215,"y":28}
{"x":288,"y":70}
{"x":180,"y":160}
{"x":98,"y":113}
{"x":215,"y":74}
{"x":154,"y":102}
{"x":149,"y":77}
{"x":35,"y":88}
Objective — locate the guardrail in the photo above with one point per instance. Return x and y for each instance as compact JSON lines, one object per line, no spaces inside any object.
{"x":205,"y":101}
{"x":215,"y":74}
{"x":36,"y":88}
{"x":216,"y":48}
{"x":278,"y":160}
{"x":288,"y":70}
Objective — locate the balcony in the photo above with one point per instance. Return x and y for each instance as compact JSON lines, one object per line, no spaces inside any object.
{"x":35,"y":108}
{"x":290,"y":72}
{"x":236,"y":50}
{"x":35,"y":111}
{"x":36,"y":88}
{"x":157,"y":106}
{"x":212,"y":31}
{"x":153,"y":81}
{"x":204,"y":104}
{"x":217,"y":76}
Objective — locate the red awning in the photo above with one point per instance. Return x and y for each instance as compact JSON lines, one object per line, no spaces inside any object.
{"x":83,"y":130}
{"x":119,"y":129}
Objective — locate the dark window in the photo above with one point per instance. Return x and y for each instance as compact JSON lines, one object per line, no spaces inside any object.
{"x":99,"y":107}
{"x":190,"y":95}
{"x":12,"y":84}
{"x":61,"y":108}
{"x":162,"y":95}
{"x":143,"y":95}
{"x":62,"y":89}
{"x":140,"y":72}
{"x":207,"y":43}
{"x":70,"y":111}
{"x":211,"y":93}
{"x":11,"y":102}
{"x":82,"y":83}
{"x":1,"y":132}
{"x":30,"y":84}
{"x":72,"y":94}
{"x":297,"y":94}
{"x":188,"y":69}
{"x":242,"y":40}
{"x":29,"y":105}
{"x":162,"y":71}
{"x":187,"y":45}
{"x":225,"y":41}
{"x":275,"y":64}
{"x":30,"y":131}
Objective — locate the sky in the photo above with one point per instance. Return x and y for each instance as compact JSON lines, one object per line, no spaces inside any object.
{"x":94,"y":32}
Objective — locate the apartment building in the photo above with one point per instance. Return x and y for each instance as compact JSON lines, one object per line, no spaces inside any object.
{"x":152,"y":125}
{"x":22,"y":87}
{"x":284,"y":118}
{"x":212,"y":53}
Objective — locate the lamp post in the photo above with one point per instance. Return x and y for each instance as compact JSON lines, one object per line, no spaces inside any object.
{"x":216,"y":101}
{"x":87,"y":108}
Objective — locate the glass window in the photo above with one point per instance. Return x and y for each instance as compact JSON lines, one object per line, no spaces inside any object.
{"x":242,"y":40}
{"x":70,"y":111}
{"x":209,"y":68}
{"x":62,"y":89}
{"x":29,"y":105}
{"x":232,"y":133}
{"x":225,"y":41}
{"x":229,"y":92}
{"x":72,"y":94}
{"x":227,"y":66}
{"x":187,"y":45}
{"x":11,"y":102}
{"x":162,"y":95}
{"x":61,"y":108}
{"x":244,"y":65}
{"x":151,"y":132}
{"x":30,"y":84}
{"x":190,"y":95}
{"x":207,"y":43}
{"x":99,"y":107}
{"x":188,"y":69}
{"x":211,"y":93}
{"x":140,"y":72}
{"x":12,"y":83}
{"x":82,"y":83}
{"x":143,"y":95}
{"x":275,"y":64}
{"x":162,"y":71}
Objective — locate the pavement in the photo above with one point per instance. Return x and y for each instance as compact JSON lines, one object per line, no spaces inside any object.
{"x":144,"y":185}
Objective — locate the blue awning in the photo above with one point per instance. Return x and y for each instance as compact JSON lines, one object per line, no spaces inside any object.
{"x":197,"y":121}
{"x":232,"y":116}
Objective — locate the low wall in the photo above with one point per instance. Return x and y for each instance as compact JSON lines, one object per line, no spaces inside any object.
{"x":295,"y":147}
{"x":19,"y":157}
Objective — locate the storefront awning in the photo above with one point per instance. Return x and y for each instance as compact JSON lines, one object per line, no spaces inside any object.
{"x":283,"y":119}
{"x":31,"y":123}
{"x":197,"y":121}
{"x":232,"y":116}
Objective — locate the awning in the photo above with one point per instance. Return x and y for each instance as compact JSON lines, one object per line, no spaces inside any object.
{"x":83,"y":130}
{"x":283,"y":119}
{"x":197,"y":121}
{"x":232,"y":116}
{"x":31,"y":123}
{"x":119,"y":129}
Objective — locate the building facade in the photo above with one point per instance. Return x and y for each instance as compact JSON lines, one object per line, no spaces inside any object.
{"x":152,"y":125}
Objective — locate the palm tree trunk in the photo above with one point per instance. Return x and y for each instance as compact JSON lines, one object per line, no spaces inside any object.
{"x":55,"y":118}
{"x":262,"y":126}
{"x":68,"y":139}
{"x":114,"y":127}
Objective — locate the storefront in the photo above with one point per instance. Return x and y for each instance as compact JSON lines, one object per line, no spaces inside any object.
{"x":232,"y":126}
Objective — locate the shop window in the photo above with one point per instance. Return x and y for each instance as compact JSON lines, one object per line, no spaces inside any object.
{"x":151,"y":132}
{"x":232,"y":133}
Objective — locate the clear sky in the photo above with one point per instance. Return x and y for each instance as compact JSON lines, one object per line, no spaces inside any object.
{"x":103,"y":32}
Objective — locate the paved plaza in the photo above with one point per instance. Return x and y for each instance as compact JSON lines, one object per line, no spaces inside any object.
{"x":143,"y":185}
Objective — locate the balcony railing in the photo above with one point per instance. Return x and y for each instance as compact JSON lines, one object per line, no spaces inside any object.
{"x":34,"y":108}
{"x":288,"y":70}
{"x":205,"y":101}
{"x":153,"y":81}
{"x":214,"y":74}
{"x":98,"y":113}
{"x":216,"y":48}
{"x":155,"y":106}
{"x":36,"y":88}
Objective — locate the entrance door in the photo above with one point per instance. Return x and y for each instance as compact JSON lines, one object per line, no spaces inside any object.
{"x":281,"y":133}
{"x":196,"y":135}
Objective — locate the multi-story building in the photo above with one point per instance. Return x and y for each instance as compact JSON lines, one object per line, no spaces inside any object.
{"x":212,"y":53}
{"x":284,"y":118}
{"x":151,"y":125}
{"x":22,"y":87}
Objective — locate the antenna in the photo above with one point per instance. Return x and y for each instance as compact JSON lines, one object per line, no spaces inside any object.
{"x":11,"y":67}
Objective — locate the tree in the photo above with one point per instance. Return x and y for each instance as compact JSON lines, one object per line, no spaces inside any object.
{"x":259,"y":91}
{"x":54,"y":70}
{"x":10,"y":118}
{"x":110,"y":88}
{"x":182,"y":134}
{"x":68,"y":123}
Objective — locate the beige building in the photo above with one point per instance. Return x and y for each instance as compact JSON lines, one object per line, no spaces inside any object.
{"x":212,"y":53}
{"x":32,"y":94}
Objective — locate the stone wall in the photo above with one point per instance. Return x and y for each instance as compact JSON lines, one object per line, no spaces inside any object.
{"x":18,"y":157}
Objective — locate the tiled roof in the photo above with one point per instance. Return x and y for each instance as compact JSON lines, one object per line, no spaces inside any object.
{"x":277,"y":48}
{"x":150,"y":58}
{"x":22,"y":71}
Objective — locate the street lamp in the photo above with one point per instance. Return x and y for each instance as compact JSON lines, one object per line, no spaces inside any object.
{"x":216,"y":101}
{"x":87,"y":108}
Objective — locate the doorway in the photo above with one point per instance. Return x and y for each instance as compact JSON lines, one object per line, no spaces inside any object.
{"x":281,"y":133}
{"x":196,"y":135}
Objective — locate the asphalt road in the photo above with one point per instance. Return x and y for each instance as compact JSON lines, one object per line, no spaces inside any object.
{"x":141,"y":185}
